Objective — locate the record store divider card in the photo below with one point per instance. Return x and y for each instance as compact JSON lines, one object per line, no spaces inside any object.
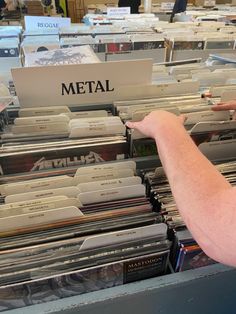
{"x":45,"y":22}
{"x":81,"y":84}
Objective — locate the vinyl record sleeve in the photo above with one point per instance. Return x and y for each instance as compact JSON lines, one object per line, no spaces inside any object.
{"x":43,"y":159}
{"x":91,"y":218}
{"x":82,"y":281}
{"x":109,"y":224}
{"x":188,"y":45}
{"x":194,"y":257}
{"x":76,"y":262}
{"x":107,"y":245}
{"x":147,"y":45}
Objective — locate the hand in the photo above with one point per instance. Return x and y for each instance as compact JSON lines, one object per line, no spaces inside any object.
{"x":150,"y":125}
{"x":229,"y":105}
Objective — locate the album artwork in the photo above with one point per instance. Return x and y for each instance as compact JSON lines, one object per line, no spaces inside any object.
{"x":191,"y":257}
{"x":229,"y":44}
{"x":118,"y":47}
{"x":147,"y":45}
{"x":82,"y":281}
{"x":144,"y":147}
{"x":73,"y":55}
{"x":9,"y":52}
{"x":188,"y":45}
{"x":214,"y":136}
{"x":43,"y":158}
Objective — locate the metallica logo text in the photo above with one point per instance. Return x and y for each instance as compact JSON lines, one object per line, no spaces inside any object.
{"x":43,"y":163}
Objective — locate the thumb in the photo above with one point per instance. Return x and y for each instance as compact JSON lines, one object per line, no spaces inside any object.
{"x":132,"y":125}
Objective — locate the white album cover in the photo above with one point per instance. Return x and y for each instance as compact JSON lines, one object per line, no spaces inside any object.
{"x":73,"y":55}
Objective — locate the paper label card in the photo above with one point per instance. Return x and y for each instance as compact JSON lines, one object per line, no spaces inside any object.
{"x":168,"y":6}
{"x":46,"y":22}
{"x":209,"y":3}
{"x":114,"y":11}
{"x":76,"y":84}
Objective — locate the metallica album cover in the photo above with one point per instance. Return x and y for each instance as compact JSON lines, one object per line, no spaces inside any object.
{"x":39,"y":157}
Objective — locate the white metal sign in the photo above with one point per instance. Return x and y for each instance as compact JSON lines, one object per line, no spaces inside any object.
{"x":78,"y":84}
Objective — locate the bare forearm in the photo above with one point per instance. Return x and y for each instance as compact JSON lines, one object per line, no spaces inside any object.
{"x":186,"y":167}
{"x":200,"y":191}
{"x":206,"y":201}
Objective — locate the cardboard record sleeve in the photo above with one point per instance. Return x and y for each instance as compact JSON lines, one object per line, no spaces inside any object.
{"x":44,"y":158}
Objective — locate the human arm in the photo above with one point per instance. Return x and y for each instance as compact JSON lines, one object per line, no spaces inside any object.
{"x":222,"y":106}
{"x":206,"y":201}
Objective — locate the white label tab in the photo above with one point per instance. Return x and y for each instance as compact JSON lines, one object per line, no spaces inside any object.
{"x":114,"y":11}
{"x":167,"y":6}
{"x":46,"y":22}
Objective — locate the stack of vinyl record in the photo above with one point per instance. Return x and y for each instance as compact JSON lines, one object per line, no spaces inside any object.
{"x":61,"y":125}
{"x":55,"y":137}
{"x":66,"y":235}
{"x":60,"y":121}
{"x":95,"y":193}
{"x":66,"y":42}
{"x":65,"y":268}
{"x":186,"y":253}
{"x":211,"y":130}
{"x":38,"y":43}
{"x":3,"y":115}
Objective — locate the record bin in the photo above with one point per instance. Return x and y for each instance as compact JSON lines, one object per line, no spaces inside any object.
{"x":209,"y":290}
{"x":192,"y":291}
{"x":180,"y":50}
